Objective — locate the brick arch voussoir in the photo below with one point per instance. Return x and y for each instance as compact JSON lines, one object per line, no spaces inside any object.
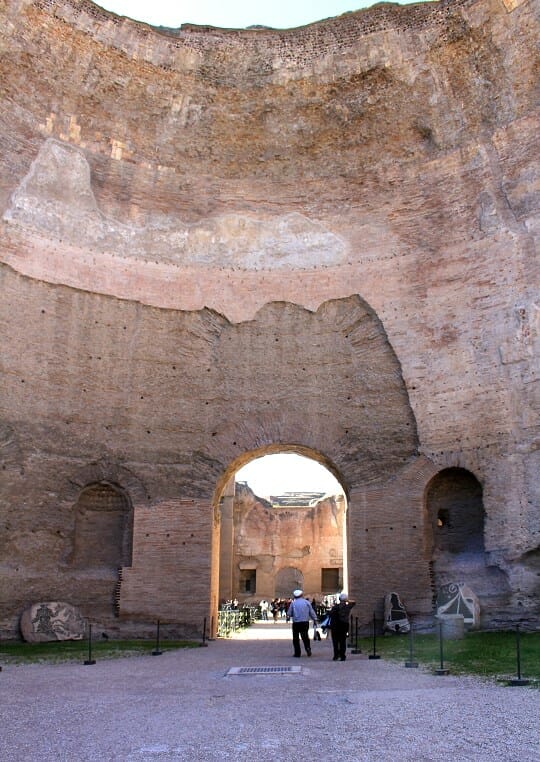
{"x":275,"y":449}
{"x":106,"y":472}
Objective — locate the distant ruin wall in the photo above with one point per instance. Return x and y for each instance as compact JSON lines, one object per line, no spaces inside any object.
{"x":270,"y":539}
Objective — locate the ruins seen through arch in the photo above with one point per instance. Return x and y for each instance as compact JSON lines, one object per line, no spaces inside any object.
{"x":272,"y":540}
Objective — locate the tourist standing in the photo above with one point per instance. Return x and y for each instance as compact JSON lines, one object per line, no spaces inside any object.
{"x":301,"y":611}
{"x":339,"y":625}
{"x":263,"y":605}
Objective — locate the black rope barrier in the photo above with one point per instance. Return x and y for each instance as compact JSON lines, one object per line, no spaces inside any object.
{"x":356,"y":650}
{"x":518,"y":680}
{"x":204,"y":644}
{"x":411,"y":663}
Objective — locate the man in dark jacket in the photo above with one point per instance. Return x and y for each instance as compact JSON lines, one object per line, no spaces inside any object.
{"x":339,"y":626}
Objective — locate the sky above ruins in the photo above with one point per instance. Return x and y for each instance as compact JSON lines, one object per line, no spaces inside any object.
{"x":287,"y":472}
{"x":280,"y":14}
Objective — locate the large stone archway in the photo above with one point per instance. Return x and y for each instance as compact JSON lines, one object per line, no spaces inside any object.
{"x":287,"y":579}
{"x":260,"y":537}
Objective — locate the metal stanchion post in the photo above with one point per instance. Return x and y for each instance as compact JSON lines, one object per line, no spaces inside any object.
{"x":356,"y":650}
{"x":411,"y":662}
{"x":374,"y":655}
{"x":441,"y":670}
{"x":518,"y":680}
{"x":204,"y":644}
{"x":89,"y":660}
{"x":156,"y":651}
{"x":211,"y":633}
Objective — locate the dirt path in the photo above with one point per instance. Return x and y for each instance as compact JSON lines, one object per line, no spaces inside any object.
{"x":183,"y":706}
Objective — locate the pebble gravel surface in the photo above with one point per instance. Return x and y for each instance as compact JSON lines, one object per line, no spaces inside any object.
{"x":182,"y":705}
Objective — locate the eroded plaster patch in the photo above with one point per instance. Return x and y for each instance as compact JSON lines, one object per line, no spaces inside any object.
{"x":55,"y":199}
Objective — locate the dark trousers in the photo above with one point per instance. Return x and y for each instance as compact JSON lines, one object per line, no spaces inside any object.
{"x":339,"y":640}
{"x":300,"y":630}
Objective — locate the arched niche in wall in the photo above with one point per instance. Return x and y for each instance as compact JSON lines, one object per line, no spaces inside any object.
{"x":103,"y":528}
{"x":456,"y":512}
{"x":455,"y":523}
{"x":288,"y":579}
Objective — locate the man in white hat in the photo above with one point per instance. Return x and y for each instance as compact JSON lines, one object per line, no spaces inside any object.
{"x":301,"y":611}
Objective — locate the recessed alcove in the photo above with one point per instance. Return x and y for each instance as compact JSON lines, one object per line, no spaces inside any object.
{"x":103,"y":529}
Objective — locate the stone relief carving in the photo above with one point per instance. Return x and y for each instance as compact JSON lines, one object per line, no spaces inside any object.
{"x":51,"y":621}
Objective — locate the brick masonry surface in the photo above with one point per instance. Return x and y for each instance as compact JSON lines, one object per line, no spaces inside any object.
{"x":220,"y":243}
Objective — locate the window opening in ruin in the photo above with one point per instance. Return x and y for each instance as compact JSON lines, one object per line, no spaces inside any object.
{"x":331,"y":580}
{"x":442,"y":518}
{"x":248,"y":581}
{"x":282,"y":527}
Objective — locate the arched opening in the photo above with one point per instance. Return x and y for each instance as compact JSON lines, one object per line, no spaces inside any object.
{"x":456,"y":512}
{"x":287,"y":579}
{"x":455,"y":524}
{"x":282,"y":519}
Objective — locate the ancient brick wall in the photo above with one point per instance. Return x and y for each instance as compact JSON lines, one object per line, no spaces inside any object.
{"x":171,"y":541}
{"x":219,"y":243}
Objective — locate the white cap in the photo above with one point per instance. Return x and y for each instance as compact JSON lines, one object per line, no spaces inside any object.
{"x":297,"y":593}
{"x":343,"y":597}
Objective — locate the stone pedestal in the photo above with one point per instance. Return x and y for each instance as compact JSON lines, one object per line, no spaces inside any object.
{"x":453,"y":626}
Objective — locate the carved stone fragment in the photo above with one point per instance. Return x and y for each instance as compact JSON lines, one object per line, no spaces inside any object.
{"x":395,"y":616}
{"x":43,"y":622}
{"x":454,"y":598}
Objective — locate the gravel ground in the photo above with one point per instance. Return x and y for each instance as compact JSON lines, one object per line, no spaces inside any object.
{"x":183,"y":706}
